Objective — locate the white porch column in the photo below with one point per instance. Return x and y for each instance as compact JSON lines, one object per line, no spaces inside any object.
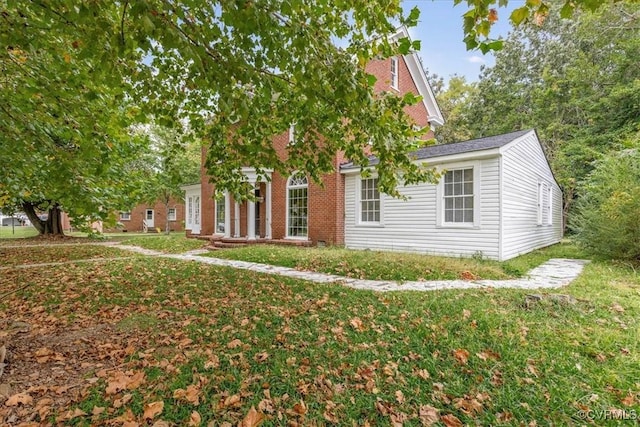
{"x":227,"y":214}
{"x":236,"y":220}
{"x":251,"y":220}
{"x":267,"y":200}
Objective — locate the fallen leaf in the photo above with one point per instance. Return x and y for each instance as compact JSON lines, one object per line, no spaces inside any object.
{"x":261,"y":357}
{"x":451,"y":420}
{"x":153,"y":409}
{"x":300,"y":408}
{"x":234,"y":344}
{"x":461,"y":355}
{"x":356,"y":323}
{"x":465,"y":314}
{"x":428,"y":415}
{"x":19,"y":398}
{"x":231,"y":400}
{"x":617,"y":307}
{"x":252,"y":419}
{"x":195,"y":419}
{"x":629,"y":400}
{"x":400,"y":396}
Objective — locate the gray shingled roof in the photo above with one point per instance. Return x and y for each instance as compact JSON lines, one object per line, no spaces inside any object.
{"x":479,"y":144}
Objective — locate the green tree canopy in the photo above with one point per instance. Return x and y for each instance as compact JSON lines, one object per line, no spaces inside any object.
{"x":76,"y":75}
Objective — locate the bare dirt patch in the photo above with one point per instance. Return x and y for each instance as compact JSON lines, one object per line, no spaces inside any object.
{"x":49,"y":369}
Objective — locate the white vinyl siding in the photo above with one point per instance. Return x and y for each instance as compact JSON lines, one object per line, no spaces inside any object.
{"x":412,"y":225}
{"x":530,"y":198}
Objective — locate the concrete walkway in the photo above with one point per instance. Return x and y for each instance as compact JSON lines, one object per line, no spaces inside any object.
{"x":554,"y":273}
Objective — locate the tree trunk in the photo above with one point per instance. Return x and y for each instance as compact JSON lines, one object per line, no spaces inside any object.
{"x":51,"y":226}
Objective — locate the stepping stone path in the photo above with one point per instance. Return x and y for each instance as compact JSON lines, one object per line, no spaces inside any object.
{"x":555,"y":273}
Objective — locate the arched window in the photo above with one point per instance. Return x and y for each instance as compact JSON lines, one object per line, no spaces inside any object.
{"x":297,"y":206}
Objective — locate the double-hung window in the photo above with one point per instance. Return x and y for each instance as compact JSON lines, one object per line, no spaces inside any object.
{"x":125,"y":216}
{"x":369,"y":201}
{"x":394,"y":72}
{"x":458,"y":196}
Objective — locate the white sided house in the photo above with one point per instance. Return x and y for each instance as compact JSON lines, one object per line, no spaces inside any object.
{"x":497,"y":198}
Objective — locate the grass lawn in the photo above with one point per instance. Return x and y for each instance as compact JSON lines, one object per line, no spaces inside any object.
{"x":172,"y":243}
{"x":152,"y":339}
{"x":378,"y":265}
{"x":17,"y":232}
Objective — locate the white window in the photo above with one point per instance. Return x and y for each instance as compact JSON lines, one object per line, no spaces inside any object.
{"x":541,"y":188}
{"x":549,"y":206}
{"x":297,"y":206}
{"x":220,"y":214}
{"x":394,"y":72}
{"x":196,"y":210}
{"x":125,"y":216}
{"x":458,"y":196}
{"x":292,"y":134}
{"x":190,"y":211}
{"x":171,"y":215}
{"x":369,"y":201}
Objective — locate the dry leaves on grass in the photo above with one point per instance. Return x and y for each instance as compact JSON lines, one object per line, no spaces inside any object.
{"x":119,"y":381}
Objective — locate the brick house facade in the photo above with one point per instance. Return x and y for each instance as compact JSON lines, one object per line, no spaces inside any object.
{"x":277,"y":215}
{"x":154,"y":215}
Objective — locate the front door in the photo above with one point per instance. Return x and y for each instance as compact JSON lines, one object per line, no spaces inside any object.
{"x":148,"y":218}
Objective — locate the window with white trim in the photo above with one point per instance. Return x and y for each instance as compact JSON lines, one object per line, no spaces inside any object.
{"x":458,"y":196}
{"x":297,"y":206}
{"x":220,"y":213}
{"x":549,"y":206}
{"x":171,"y":215}
{"x":369,"y":201}
{"x":541,"y":188}
{"x":125,"y":216}
{"x":394,"y":72}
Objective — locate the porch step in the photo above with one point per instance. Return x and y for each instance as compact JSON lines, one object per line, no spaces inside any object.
{"x":230,"y":242}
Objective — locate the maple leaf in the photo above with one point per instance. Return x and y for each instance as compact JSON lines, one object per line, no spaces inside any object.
{"x":19,"y":398}
{"x":153,"y":409}
{"x":451,"y":420}
{"x":428,"y":415}
{"x":461,"y":355}
{"x":253,"y":418}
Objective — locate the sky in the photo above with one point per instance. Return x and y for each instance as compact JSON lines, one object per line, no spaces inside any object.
{"x":440,"y":31}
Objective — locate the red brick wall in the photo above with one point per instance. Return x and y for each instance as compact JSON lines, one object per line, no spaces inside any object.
{"x":160,"y":216}
{"x":382,"y":70}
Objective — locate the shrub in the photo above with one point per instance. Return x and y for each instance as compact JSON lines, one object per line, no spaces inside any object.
{"x":607,"y":221}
